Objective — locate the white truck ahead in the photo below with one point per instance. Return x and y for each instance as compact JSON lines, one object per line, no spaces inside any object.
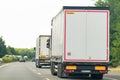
{"x":42,"y":56}
{"x":80,"y":42}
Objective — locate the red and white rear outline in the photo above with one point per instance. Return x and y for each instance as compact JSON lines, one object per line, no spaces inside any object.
{"x":107,"y":36}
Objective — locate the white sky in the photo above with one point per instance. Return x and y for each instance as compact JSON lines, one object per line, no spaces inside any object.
{"x":22,"y":21}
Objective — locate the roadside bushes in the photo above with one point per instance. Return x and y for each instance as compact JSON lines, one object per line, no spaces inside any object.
{"x":7,"y":59}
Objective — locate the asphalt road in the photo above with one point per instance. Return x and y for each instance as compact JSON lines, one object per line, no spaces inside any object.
{"x":28,"y":71}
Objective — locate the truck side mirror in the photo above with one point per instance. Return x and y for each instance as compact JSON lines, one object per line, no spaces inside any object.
{"x":34,"y":48}
{"x":48,"y":43}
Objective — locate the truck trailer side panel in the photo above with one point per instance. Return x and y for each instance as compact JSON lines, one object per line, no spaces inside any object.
{"x":37,"y":49}
{"x":58,"y":35}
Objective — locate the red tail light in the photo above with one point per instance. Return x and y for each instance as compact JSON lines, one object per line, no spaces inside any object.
{"x":68,"y":71}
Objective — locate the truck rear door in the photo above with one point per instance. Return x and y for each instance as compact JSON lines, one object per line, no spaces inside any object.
{"x":86,"y":35}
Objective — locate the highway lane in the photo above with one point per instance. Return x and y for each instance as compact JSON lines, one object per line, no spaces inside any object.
{"x":28,"y":71}
{"x":17,"y":71}
{"x":45,"y":71}
{"x":115,"y":75}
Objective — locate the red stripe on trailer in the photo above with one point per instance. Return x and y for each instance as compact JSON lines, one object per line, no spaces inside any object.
{"x":107,"y":34}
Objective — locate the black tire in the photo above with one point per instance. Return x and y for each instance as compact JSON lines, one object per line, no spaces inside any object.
{"x":36,"y":64}
{"x":60,"y":72}
{"x":53,"y":72}
{"x":97,"y":76}
{"x":40,"y":66}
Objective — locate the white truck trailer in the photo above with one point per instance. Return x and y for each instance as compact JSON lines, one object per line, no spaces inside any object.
{"x":80,"y":42}
{"x":42,"y":56}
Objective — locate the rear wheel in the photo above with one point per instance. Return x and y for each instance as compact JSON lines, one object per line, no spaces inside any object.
{"x":40,"y":66}
{"x":60,"y":72}
{"x":36,"y":63}
{"x":53,"y":72}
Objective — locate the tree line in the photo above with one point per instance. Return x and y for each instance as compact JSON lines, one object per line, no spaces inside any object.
{"x":8,"y":50}
{"x":114,"y":6}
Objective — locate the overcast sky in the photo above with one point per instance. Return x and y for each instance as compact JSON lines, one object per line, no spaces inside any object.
{"x":22,"y":21}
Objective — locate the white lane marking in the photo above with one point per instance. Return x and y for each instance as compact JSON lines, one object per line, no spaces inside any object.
{"x":110,"y":78}
{"x":36,"y":72}
{"x":3,"y":65}
{"x":33,"y":70}
{"x":39,"y":73}
{"x":47,"y":78}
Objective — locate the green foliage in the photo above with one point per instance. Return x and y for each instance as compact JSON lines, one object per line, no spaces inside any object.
{"x":102,"y":3}
{"x":7,"y":59}
{"x":14,"y":51}
{"x":114,"y":29}
{"x":3,"y":50}
{"x":11,"y":51}
{"x":26,"y":52}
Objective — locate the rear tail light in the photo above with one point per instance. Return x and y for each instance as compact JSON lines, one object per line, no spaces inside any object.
{"x":68,"y":71}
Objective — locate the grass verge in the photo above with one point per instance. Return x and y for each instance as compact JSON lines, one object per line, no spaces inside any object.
{"x":117,"y":69}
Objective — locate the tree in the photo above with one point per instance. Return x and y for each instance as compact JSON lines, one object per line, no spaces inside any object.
{"x":11,"y":51}
{"x":3,"y":50}
{"x":102,"y":3}
{"x":25,"y":52}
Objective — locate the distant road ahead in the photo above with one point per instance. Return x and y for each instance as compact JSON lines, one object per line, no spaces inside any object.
{"x":28,"y":71}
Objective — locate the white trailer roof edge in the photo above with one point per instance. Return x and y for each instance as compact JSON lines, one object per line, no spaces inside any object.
{"x":84,"y":7}
{"x":44,"y":35}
